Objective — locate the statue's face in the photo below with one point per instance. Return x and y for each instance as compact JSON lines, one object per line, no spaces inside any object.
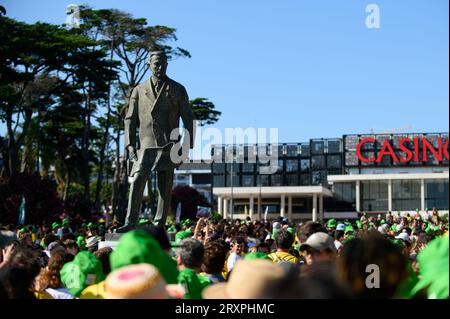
{"x":158,"y":65}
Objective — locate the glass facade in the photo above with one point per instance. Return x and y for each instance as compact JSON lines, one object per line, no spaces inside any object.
{"x":300,"y":164}
{"x":436,"y":194}
{"x":406,"y":194}
{"x":374,"y":196}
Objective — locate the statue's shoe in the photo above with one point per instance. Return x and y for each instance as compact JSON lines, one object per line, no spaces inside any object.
{"x":124,"y":229}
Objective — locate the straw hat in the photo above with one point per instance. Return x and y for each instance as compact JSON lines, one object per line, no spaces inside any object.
{"x":140,"y":281}
{"x":250,"y":279}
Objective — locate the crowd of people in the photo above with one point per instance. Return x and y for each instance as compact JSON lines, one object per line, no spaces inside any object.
{"x":374,"y":256}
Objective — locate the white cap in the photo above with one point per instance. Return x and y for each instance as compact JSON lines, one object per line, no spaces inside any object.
{"x":403,"y":236}
{"x":381,"y":229}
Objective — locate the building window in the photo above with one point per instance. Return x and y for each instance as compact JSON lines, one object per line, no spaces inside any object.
{"x":292,"y":150}
{"x":248,"y":168}
{"x":317,"y":147}
{"x":201,"y":179}
{"x":305,"y":179}
{"x":344,"y":199}
{"x":291,"y":166}
{"x":374,"y":196}
{"x":219,"y":181}
{"x":334,"y":161}
{"x":405,"y":194}
{"x":277,"y":180}
{"x":318,"y":178}
{"x":318,"y":162}
{"x":304,"y":165}
{"x":264,"y":180}
{"x":436,"y":194}
{"x":248,"y":180}
{"x":291,"y":179}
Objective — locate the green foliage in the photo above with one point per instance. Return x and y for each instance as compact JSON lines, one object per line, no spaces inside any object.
{"x":204,"y":111}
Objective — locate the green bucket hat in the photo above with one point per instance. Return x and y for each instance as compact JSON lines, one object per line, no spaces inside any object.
{"x":256,"y":255}
{"x":55,"y":225}
{"x":83,"y":271}
{"x":183,"y":235}
{"x":81,"y":242}
{"x":66,"y":221}
{"x":434,"y":264}
{"x":382,"y":222}
{"x":332,"y":223}
{"x":138,"y":247}
{"x":348,"y":229}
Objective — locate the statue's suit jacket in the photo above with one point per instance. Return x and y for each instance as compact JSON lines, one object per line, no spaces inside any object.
{"x":156,"y":115}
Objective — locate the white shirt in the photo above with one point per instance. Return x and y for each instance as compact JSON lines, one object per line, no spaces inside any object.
{"x":60,"y":293}
{"x":232,"y":259}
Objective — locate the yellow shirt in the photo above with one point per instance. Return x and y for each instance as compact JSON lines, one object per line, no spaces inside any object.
{"x":42,"y":295}
{"x":96,"y":291}
{"x":283,"y":256}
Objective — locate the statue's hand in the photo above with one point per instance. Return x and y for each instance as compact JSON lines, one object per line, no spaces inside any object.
{"x":132,"y":155}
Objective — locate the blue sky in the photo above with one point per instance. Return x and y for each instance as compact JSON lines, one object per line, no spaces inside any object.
{"x":309,"y":68}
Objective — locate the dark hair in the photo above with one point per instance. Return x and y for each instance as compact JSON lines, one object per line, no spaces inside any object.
{"x":372,"y":249}
{"x":308,"y":229}
{"x":50,"y":238}
{"x":338,"y":234}
{"x":158,"y":233}
{"x":214,"y":257}
{"x":238,"y":240}
{"x":17,"y":277}
{"x":103,"y":255}
{"x":191,"y":253}
{"x":284,"y":239}
{"x":51,"y":276}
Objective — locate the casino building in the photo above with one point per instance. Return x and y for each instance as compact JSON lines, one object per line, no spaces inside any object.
{"x":334,"y":178}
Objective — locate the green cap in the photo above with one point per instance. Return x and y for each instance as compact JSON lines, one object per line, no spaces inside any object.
{"x":65,"y":221}
{"x":434,"y":264}
{"x":348,"y":229}
{"x":186,"y":222}
{"x":183,"y":235}
{"x":332,"y":223}
{"x":81,"y":242}
{"x":291,"y":231}
{"x":83,"y":271}
{"x":429,"y":229}
{"x":143,"y":221}
{"x":23,"y":230}
{"x":382,"y":222}
{"x":394,"y":227}
{"x":138,"y":247}
{"x":256,"y":255}
{"x":55,"y":225}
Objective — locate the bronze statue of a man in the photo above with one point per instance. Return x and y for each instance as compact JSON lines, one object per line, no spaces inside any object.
{"x":155,"y":109}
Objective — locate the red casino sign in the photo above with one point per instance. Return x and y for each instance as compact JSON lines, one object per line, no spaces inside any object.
{"x":416,"y":154}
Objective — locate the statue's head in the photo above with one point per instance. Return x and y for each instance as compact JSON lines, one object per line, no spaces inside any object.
{"x":158,"y":63}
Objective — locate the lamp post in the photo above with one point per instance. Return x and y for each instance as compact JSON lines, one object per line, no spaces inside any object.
{"x":232,"y":195}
